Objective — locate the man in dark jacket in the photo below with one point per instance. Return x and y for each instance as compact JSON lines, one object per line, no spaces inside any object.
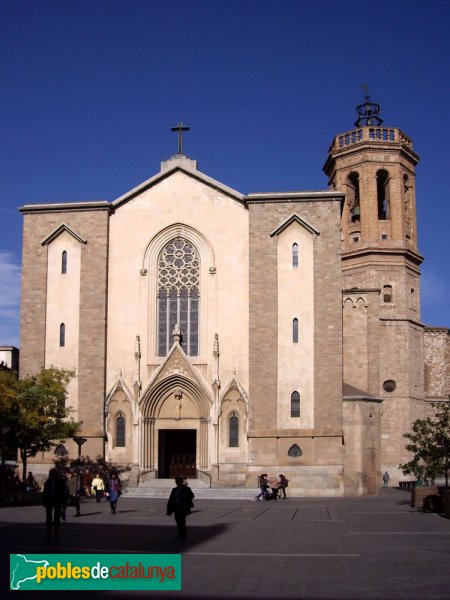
{"x":53,"y":498}
{"x":72,"y":495}
{"x":180,"y":503}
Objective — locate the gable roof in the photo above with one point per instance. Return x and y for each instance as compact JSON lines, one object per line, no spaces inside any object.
{"x":294,"y":218}
{"x":182,"y":164}
{"x":60,"y":229}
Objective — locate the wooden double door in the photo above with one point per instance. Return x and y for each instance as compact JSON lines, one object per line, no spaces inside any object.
{"x":177,"y":451}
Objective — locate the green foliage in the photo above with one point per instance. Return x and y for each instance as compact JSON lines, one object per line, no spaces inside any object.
{"x":34,"y":410}
{"x":429,"y":443}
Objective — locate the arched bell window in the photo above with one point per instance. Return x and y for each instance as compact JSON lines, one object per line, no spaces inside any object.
{"x":383,"y":194}
{"x":353,"y":197}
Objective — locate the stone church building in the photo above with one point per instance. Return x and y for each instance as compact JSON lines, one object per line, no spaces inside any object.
{"x":219,"y":335}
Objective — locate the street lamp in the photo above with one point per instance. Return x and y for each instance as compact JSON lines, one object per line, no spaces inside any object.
{"x":79,"y":441}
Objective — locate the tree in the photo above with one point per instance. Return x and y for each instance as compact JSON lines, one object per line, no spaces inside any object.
{"x":429,"y":443}
{"x":34,"y":412}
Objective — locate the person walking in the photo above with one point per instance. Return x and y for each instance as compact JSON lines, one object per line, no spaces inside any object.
{"x":386,"y":479}
{"x":114,"y":491}
{"x":283,"y":485}
{"x":53,"y":497}
{"x":180,"y":504}
{"x":72,"y":495}
{"x":263,"y":485}
{"x":86,"y":482}
{"x":98,"y":485}
{"x":31,"y":483}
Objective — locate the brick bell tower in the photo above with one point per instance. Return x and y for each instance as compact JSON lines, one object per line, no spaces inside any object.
{"x":382,"y":332}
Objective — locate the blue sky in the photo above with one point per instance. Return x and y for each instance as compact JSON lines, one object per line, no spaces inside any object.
{"x":91,"y":88}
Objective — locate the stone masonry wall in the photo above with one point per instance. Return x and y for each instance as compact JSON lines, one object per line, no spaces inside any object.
{"x":437,"y":363}
{"x":92,"y":225}
{"x":264,"y":218}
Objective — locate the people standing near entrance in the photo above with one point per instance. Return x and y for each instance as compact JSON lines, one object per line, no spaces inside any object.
{"x":274,"y":486}
{"x":180,"y":504}
{"x":98,"y":485}
{"x":386,"y":479}
{"x":53,"y":497}
{"x":283,"y":485}
{"x":114,"y":491}
{"x":263,"y":485}
{"x":72,"y":495}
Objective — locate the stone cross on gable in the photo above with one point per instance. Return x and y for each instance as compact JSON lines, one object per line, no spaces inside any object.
{"x":180,"y":128}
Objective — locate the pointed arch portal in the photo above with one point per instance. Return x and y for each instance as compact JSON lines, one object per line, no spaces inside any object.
{"x":174,"y":428}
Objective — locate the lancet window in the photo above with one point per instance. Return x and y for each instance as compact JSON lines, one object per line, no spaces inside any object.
{"x":64,"y":262}
{"x":294,"y":256}
{"x":178,"y":295}
{"x":295,"y":404}
{"x":295,"y":331}
{"x":120,"y":430}
{"x":233,"y":440}
{"x":62,"y":335}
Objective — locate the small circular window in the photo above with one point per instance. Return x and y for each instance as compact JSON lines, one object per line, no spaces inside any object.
{"x":389,"y":385}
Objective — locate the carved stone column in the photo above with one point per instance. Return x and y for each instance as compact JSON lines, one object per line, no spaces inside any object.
{"x":203,"y":442}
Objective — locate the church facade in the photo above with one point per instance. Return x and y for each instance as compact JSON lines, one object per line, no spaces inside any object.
{"x":220,"y":335}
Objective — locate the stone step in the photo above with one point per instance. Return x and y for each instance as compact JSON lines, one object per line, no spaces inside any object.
{"x":200,"y":493}
{"x":169,"y":483}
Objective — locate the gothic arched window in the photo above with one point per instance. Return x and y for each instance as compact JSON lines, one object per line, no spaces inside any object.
{"x":233,"y":440}
{"x":295,"y":451}
{"x":62,"y":335}
{"x":294,"y":256}
{"x":61,"y":450}
{"x":295,"y":404}
{"x":178,"y":295}
{"x":64,"y":262}
{"x":120,"y":430}
{"x":295,"y":331}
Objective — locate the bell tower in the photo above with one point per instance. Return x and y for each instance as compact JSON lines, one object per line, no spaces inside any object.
{"x":383,"y":335}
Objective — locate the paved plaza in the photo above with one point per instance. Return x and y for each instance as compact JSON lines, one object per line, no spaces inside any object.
{"x":321,"y":549}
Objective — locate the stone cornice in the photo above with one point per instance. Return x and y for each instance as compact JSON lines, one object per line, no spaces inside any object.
{"x":65,"y":207}
{"x":292,"y":433}
{"x":413,"y":256}
{"x":320,"y":196}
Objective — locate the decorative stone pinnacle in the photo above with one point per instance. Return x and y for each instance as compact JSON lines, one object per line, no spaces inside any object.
{"x":216,"y":345}
{"x":137,"y":347}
